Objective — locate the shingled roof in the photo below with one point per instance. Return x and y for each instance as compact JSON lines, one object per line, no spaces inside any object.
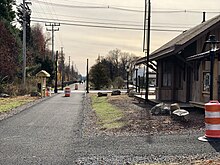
{"x":183,"y":40}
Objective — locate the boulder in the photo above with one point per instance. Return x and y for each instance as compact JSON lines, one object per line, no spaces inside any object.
{"x":180,"y":114}
{"x":116,"y":92}
{"x":100,"y":94}
{"x":4,"y":95}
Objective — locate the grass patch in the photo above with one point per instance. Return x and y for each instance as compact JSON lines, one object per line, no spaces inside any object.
{"x":108,"y":115}
{"x":6,"y":104}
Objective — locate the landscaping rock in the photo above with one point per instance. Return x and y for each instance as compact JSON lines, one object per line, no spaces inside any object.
{"x":35,"y":94}
{"x":180,"y":114}
{"x":116,"y":92}
{"x":140,"y":121}
{"x":100,"y":94}
{"x":4,"y":95}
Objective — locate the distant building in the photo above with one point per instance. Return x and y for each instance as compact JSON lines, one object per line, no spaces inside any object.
{"x":141,"y":73}
{"x":183,"y":66}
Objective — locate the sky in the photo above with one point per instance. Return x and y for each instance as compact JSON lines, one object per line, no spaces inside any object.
{"x":92,"y":28}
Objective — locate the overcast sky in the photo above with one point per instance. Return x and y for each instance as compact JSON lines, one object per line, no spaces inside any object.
{"x":169,"y":18}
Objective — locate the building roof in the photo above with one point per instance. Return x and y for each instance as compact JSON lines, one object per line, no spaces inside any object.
{"x":182,"y":40}
{"x":202,"y":55}
{"x":43,"y":73}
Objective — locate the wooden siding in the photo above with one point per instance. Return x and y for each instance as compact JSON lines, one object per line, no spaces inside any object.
{"x":166,"y":94}
{"x":193,"y":80}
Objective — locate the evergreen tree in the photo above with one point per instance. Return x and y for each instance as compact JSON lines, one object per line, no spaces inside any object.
{"x":6,"y":10}
{"x":9,"y":50}
{"x":27,"y":18}
{"x":98,"y":76}
{"x":9,"y":42}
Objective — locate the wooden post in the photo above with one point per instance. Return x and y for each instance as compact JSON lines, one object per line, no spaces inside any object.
{"x":215,"y":79}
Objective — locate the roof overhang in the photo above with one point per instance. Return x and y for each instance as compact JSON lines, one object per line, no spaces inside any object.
{"x":43,"y":73}
{"x":156,"y":56}
{"x":201,"y":56}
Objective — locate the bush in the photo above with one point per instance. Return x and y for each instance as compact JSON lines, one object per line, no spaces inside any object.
{"x":118,"y":83}
{"x":15,"y":88}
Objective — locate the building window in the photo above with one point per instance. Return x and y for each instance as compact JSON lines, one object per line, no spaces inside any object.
{"x":166,"y":73}
{"x":206,"y":81}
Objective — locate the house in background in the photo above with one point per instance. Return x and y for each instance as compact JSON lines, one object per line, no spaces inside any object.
{"x":142,"y":74}
{"x":183,"y":66}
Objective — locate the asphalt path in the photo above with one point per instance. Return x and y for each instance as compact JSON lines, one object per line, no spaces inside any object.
{"x":50,"y":132}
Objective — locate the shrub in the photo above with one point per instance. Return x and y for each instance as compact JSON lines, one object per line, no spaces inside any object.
{"x":118,"y":82}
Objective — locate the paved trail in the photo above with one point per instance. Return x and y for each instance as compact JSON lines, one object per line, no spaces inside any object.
{"x":50,"y":133}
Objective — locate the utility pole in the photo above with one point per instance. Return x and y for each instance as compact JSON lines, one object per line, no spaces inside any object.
{"x":24,"y":45}
{"x":69,"y":69}
{"x":24,"y":42}
{"x":147,"y":44}
{"x":56,"y":59}
{"x":62,"y":68}
{"x":136,"y":81}
{"x":73,"y":70}
{"x":204,"y":15}
{"x":87,"y":76}
{"x":53,"y":29}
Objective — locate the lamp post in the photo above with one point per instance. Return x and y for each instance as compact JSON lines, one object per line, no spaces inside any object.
{"x":87,"y":76}
{"x":213,"y":43}
{"x":139,"y":84}
{"x":127,"y":79}
{"x":136,"y":80}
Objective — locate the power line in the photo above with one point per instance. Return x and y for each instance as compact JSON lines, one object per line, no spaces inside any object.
{"x":48,"y":9}
{"x":42,"y":9}
{"x":109,"y":27}
{"x":59,"y":34}
{"x":52,"y":13}
{"x":102,"y":4}
{"x":70,"y":6}
{"x":107,"y":23}
{"x":123,"y":9}
{"x":92,"y":18}
{"x":126,"y":21}
{"x":102,"y":23}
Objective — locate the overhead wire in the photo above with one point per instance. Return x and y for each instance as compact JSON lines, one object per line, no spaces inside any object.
{"x":60,"y":33}
{"x":94,"y":18}
{"x":108,"y":23}
{"x":42,"y":9}
{"x":122,"y":8}
{"x":126,"y":21}
{"x":92,"y":22}
{"x":70,"y":6}
{"x":49,"y":10}
{"x":116,"y":8}
{"x":52,"y":14}
{"x":102,"y":4}
{"x":108,"y":27}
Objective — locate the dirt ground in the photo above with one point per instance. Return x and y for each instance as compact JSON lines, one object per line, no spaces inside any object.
{"x":139,"y":119}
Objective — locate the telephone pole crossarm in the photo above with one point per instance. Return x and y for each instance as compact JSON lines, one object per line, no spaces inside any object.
{"x":53,"y":29}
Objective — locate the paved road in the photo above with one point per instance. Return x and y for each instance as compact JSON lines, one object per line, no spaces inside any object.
{"x":50,"y":133}
{"x":43,"y":133}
